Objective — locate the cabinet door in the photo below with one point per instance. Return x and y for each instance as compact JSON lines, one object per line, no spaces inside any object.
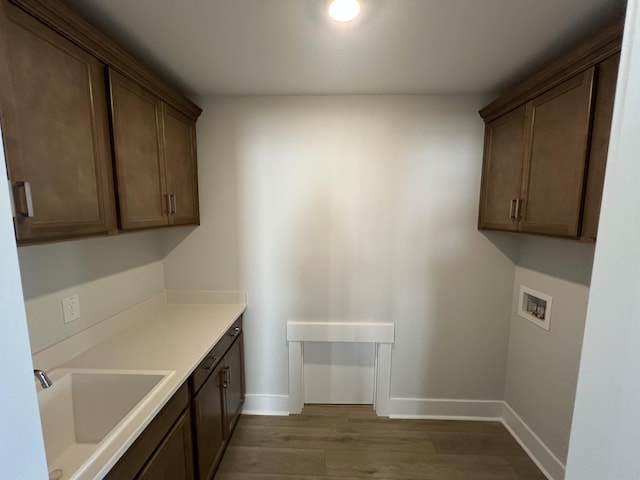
{"x":234,"y":383}
{"x":602,"y":116}
{"x":557,"y":155}
{"x":56,"y":132}
{"x":209,"y":424}
{"x":139,"y":158}
{"x":502,"y":171}
{"x":173,"y":460}
{"x":181,"y":166}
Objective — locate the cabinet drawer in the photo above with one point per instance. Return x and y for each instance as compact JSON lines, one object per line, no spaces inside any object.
{"x":202,"y":372}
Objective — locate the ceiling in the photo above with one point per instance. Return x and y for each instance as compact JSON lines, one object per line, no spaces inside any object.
{"x":281,"y":47}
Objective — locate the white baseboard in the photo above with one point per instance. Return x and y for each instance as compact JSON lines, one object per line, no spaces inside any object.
{"x":541,"y":455}
{"x":277,"y":405}
{"x":446,"y":409}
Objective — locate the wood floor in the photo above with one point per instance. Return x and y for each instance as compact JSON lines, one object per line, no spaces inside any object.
{"x":351,"y":442}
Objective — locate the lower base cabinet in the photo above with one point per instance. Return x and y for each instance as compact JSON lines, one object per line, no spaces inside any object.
{"x":208,"y":406}
{"x":217,"y":401}
{"x":167,"y":439}
{"x":173,"y":459}
{"x":188,"y":437}
{"x":233,"y":387}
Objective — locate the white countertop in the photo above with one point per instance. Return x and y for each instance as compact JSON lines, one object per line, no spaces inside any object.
{"x":173,"y":337}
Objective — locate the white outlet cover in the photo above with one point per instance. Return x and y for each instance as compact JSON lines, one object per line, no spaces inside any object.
{"x":71,"y":308}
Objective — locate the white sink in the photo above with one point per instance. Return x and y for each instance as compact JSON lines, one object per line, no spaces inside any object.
{"x":84,"y":408}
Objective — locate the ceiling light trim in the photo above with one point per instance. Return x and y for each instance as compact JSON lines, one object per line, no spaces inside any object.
{"x":344,"y":10}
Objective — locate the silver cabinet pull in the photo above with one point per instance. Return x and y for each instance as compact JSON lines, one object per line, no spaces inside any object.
{"x":174,"y":204}
{"x":26,"y":186}
{"x":235,"y":332}
{"x":12,"y":199}
{"x":227,"y":380}
{"x":518,"y":204}
{"x":512,"y":203}
{"x":167,"y":198}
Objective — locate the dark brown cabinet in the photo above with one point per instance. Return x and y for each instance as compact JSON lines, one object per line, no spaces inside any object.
{"x":209,"y":419}
{"x":155,"y":158}
{"x":173,"y":460}
{"x":218,"y":399}
{"x":164,"y":451}
{"x":556,"y":160}
{"x":502,"y":170}
{"x":181,"y":166}
{"x":599,"y":148}
{"x":546,"y":145}
{"x":56,"y":132}
{"x":535,"y":160}
{"x":233,"y":384}
{"x":137,"y":140}
{"x":54,"y":109}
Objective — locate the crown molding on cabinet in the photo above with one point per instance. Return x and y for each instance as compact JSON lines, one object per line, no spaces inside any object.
{"x":586,"y":55}
{"x":61,"y":18}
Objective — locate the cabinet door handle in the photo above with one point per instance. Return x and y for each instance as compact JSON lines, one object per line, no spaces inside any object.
{"x":235,"y":332}
{"x":12,"y":199}
{"x":213,"y":359}
{"x":512,"y":203}
{"x":518,"y":204}
{"x":174,"y":204}
{"x":28,"y":199}
{"x":167,"y":198}
{"x":227,"y":377}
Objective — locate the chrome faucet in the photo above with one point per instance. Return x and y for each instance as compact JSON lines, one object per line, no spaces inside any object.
{"x":41,"y":375}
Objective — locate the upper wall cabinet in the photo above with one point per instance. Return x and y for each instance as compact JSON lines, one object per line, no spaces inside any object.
{"x":181,"y":166}
{"x":56,"y":132}
{"x":155,"y":158}
{"x":502,"y":170}
{"x":54,"y":111}
{"x":546,"y":144}
{"x":139,"y":157}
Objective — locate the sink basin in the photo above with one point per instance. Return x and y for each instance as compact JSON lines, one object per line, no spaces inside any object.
{"x":83,"y":408}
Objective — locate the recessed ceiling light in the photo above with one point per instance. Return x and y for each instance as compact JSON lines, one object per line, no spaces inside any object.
{"x":344,"y":10}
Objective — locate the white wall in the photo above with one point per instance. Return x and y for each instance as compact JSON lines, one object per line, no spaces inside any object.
{"x":542,"y":366}
{"x":353,"y":208}
{"x":338,"y":373}
{"x":605,"y":435}
{"x":109,"y":274}
{"x":21,"y":447}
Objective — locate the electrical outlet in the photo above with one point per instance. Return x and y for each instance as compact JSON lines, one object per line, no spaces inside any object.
{"x":71,"y":308}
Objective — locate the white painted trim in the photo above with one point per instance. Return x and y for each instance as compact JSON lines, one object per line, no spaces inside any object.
{"x":340,"y":332}
{"x":382,"y":379}
{"x":275,"y":405}
{"x":446,"y":409}
{"x":382,"y":334}
{"x":541,"y":455}
{"x":296,"y":377}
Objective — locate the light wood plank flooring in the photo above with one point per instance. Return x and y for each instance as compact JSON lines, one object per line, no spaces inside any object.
{"x":351,"y":442}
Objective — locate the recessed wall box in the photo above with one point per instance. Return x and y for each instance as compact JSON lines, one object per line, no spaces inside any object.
{"x":535,"y":306}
